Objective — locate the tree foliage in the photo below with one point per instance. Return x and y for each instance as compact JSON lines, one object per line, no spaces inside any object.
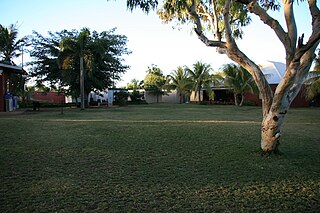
{"x":210,"y":13}
{"x":135,"y":84}
{"x":56,"y":58}
{"x":200,"y":76}
{"x":313,"y":81}
{"x":179,"y":80}
{"x":145,"y":5}
{"x":239,"y":81}
{"x":11,"y":48}
{"x":10,"y":45}
{"x":154,"y":81}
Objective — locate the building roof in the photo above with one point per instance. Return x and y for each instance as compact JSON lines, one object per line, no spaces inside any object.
{"x":273,"y":71}
{"x":13,"y":68}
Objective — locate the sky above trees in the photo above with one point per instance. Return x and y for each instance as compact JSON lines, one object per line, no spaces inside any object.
{"x":150,"y":41}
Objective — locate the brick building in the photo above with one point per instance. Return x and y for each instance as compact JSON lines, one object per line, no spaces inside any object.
{"x":7,"y":73}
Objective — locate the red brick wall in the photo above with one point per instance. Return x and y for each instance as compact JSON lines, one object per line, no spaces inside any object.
{"x":2,"y":88}
{"x":49,"y":97}
{"x":299,"y":101}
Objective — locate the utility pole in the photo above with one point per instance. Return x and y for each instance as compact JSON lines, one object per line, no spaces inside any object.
{"x":82,"y":82}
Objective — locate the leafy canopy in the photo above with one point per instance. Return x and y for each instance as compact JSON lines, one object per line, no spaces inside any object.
{"x":154,"y":80}
{"x":56,"y":58}
{"x":210,"y":13}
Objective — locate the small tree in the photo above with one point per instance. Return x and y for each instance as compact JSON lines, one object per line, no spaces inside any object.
{"x":136,"y":96}
{"x":154,"y":81}
{"x":121,"y":98}
{"x":239,"y":81}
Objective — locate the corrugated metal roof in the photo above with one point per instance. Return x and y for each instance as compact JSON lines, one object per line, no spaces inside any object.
{"x":273,"y":71}
{"x":16,"y":69}
{"x":10,"y":66}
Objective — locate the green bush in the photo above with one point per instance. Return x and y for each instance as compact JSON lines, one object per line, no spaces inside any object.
{"x":121,"y":98}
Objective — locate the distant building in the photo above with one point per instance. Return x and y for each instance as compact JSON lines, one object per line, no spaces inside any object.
{"x":273,"y":72}
{"x":8,"y":100}
{"x":106,"y":96}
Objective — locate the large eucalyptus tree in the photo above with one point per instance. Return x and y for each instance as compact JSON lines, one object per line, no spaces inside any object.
{"x":218,"y":23}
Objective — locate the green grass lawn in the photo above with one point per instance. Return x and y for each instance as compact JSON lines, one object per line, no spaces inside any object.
{"x":157,"y":158}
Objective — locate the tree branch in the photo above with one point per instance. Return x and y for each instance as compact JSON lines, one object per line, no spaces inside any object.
{"x":255,"y":8}
{"x":208,"y":42}
{"x":228,"y":30}
{"x":217,"y":33}
{"x":313,"y":41}
{"x":305,"y":53}
{"x":315,"y":13}
{"x":208,"y":15}
{"x":305,"y":65}
{"x":213,"y":19}
{"x":298,"y":67}
{"x":315,"y":36}
{"x":199,"y":32}
{"x":239,"y":57}
{"x":292,"y":29}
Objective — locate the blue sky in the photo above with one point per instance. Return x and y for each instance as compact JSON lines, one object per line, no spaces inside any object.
{"x":150,"y":41}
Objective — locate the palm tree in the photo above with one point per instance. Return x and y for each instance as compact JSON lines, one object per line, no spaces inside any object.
{"x":9,"y":45}
{"x":201,"y":78}
{"x":180,"y":81}
{"x":313,"y":82}
{"x":217,"y":79}
{"x":239,"y":81}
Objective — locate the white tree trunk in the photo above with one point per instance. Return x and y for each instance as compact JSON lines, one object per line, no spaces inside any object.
{"x":271,"y":132}
{"x":242,"y":99}
{"x":235,"y":99}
